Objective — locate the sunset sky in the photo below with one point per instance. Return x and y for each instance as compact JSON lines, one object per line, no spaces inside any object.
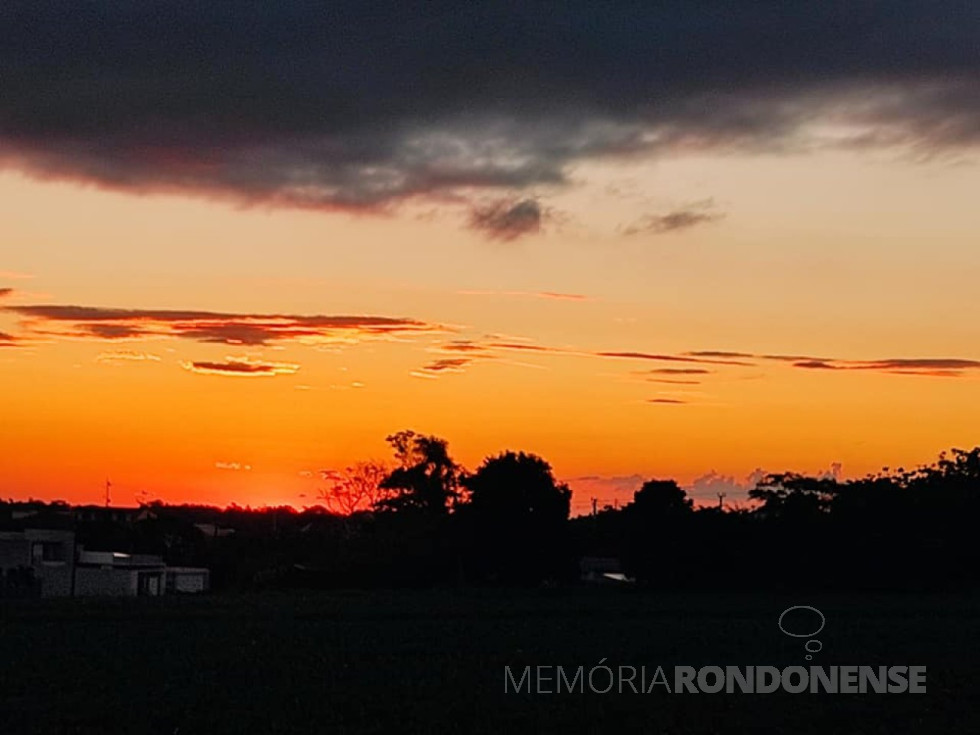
{"x":241,"y":246}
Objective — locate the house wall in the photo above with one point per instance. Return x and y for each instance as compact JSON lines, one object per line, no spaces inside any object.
{"x":187,"y":580}
{"x":50,"y":553}
{"x":95,"y":581}
{"x":56,"y":573}
{"x":118,"y":582}
{"x":56,"y":578}
{"x":15,"y":551}
{"x":15,"y":555}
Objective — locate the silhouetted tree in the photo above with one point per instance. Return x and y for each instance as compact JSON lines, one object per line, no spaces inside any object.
{"x":656,"y":549}
{"x":661,"y":499}
{"x":426,"y":479}
{"x":512,"y":487}
{"x":516,"y":517}
{"x":944,"y":500}
{"x":794,"y":497}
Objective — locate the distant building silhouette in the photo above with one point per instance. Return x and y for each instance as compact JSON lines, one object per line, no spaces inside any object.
{"x":112,"y":573}
{"x":38,"y":561}
{"x":106,"y":514}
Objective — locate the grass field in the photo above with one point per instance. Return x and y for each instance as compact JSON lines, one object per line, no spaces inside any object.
{"x":433,"y":661}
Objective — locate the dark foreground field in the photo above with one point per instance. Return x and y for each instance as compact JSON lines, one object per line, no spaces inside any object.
{"x":399,"y":662}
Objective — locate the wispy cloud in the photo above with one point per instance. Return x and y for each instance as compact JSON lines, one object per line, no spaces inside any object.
{"x":529,"y":347}
{"x":562,"y":296}
{"x":234,"y":466}
{"x":671,"y":401}
{"x":924,"y":366}
{"x":676,"y":371}
{"x":241,"y":367}
{"x":463,"y":346}
{"x":216,"y":327}
{"x":687,"y":357}
{"x":549,"y":295}
{"x":719,"y":353}
{"x":683,"y":218}
{"x":127,"y":356}
{"x":946,"y":367}
{"x":683,"y":367}
{"x":507,"y":219}
{"x":440,"y":367}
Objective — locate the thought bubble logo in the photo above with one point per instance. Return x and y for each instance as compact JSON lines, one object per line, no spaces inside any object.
{"x":811,"y":646}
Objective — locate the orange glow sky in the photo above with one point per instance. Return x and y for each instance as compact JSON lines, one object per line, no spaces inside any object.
{"x":853,"y":259}
{"x":242,"y":243}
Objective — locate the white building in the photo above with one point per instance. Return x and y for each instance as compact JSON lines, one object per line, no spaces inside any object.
{"x":48,"y":563}
{"x":112,"y":573}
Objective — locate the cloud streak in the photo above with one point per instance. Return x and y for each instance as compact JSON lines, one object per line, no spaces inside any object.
{"x":926,"y":366}
{"x":440,"y":367}
{"x":688,"y":357}
{"x":127,"y":356}
{"x":464,"y":346}
{"x":242,"y":368}
{"x":248,"y":329}
{"x":548,"y":295}
{"x":677,"y":371}
{"x":947,"y":367}
{"x":685,"y":218}
{"x":691,"y":362}
{"x":210,"y":327}
{"x":234,"y":466}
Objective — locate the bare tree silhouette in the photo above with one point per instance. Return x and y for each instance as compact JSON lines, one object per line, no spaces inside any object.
{"x":354,"y":488}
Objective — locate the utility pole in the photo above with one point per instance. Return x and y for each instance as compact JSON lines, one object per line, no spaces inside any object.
{"x":108,"y":485}
{"x":595,"y":502}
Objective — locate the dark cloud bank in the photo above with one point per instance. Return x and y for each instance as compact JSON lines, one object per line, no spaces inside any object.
{"x":359,"y":105}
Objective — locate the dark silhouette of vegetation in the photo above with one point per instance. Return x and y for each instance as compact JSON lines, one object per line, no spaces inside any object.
{"x":428,"y":522}
{"x":657,"y":531}
{"x":427,"y":479}
{"x":358,"y":487}
{"x":515,"y":520}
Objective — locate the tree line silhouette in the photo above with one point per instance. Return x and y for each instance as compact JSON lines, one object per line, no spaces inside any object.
{"x":426,"y":521}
